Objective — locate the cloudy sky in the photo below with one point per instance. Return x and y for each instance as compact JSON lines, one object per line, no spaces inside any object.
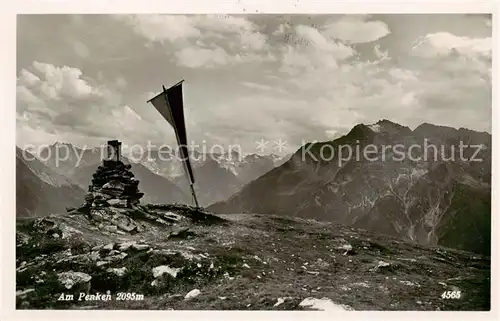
{"x":84,"y":79}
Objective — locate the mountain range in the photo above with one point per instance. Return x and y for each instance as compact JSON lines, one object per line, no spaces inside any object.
{"x":443,"y":200}
{"x":420,"y":198}
{"x":66,"y":170}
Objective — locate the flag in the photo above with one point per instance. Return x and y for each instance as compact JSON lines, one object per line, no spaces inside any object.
{"x":170,"y":105}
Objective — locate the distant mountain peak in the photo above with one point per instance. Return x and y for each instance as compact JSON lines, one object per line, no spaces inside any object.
{"x":390,"y":127}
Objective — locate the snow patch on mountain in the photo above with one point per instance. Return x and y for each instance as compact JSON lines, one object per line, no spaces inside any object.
{"x":375,"y":127}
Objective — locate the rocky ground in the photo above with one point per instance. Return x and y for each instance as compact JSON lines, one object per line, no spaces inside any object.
{"x":177,"y":257}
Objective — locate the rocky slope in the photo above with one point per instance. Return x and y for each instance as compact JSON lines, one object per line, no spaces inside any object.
{"x":40,"y":191}
{"x":177,"y":257}
{"x":421,"y":199}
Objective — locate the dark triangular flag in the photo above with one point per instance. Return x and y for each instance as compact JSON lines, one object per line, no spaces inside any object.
{"x":170,"y":105}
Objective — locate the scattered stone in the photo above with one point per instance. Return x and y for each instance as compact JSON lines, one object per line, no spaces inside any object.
{"x":109,"y":246}
{"x":258,"y":258}
{"x":181,"y":234}
{"x":97,"y":247}
{"x":192,"y":294}
{"x":116,"y":257}
{"x":280,"y":301}
{"x":118,"y":271}
{"x":409,"y":283}
{"x":380,"y":264}
{"x":24,"y":292}
{"x":347,"y":248}
{"x":70,"y":278}
{"x":312,"y":272}
{"x":160,"y":270}
{"x":361,"y":284}
{"x":245,"y":265}
{"x":324,"y":304}
{"x":94,"y":255}
{"x":126,"y":245}
{"x":140,"y":247}
{"x":68,"y":231}
{"x":101,"y":263}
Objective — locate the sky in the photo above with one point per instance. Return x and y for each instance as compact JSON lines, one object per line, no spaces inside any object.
{"x":85,"y":79}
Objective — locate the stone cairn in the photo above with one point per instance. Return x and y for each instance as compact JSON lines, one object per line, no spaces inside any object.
{"x":113,"y":184}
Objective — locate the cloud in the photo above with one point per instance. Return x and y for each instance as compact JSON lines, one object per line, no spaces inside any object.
{"x":307,"y":49}
{"x":194,"y":57}
{"x":216,"y":39}
{"x":301,"y":81}
{"x":321,"y":43}
{"x":356,"y":29}
{"x":447,"y":44}
{"x":162,"y":27}
{"x":60,"y":103}
{"x":253,"y":85}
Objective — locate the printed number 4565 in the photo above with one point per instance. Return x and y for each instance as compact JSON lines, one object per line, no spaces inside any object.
{"x":451,"y":295}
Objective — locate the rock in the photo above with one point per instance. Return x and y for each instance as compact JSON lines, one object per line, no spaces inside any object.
{"x":89,"y":198}
{"x":116,"y":257}
{"x":97,"y":247}
{"x":101,"y":263}
{"x":192,"y":294}
{"x":68,"y":231}
{"x":114,"y":185}
{"x":278,"y":302}
{"x":118,"y":202}
{"x":380,"y":264}
{"x":24,"y":292}
{"x":312,"y":272}
{"x":109,"y":246}
{"x":70,"y":278}
{"x":140,"y":247}
{"x":118,"y":271}
{"x":323,"y":304}
{"x":162,"y":269}
{"x":126,"y":245}
{"x":94,"y":255}
{"x":347,"y":248}
{"x":110,"y":228}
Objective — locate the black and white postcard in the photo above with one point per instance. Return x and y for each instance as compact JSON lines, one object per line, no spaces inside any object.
{"x":323,"y":161}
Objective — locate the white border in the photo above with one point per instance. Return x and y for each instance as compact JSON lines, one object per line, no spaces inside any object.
{"x":7,"y":133}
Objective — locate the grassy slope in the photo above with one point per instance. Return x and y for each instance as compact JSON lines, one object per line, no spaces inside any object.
{"x":286,"y":257}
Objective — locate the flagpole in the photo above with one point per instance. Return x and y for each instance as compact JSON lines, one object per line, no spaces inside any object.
{"x":179,"y":144}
